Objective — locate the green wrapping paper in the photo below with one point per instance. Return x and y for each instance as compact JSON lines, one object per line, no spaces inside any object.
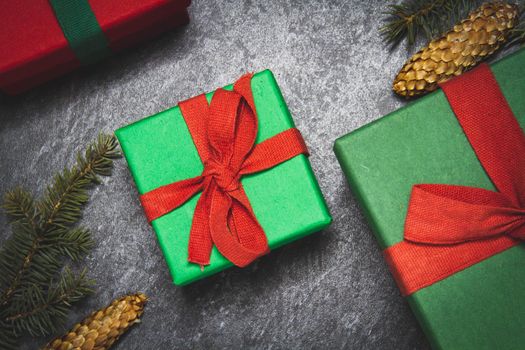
{"x":286,"y":199}
{"x":483,"y":306}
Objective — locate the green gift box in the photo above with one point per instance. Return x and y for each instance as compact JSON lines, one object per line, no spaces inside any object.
{"x":483,"y":306}
{"x":286,"y":199}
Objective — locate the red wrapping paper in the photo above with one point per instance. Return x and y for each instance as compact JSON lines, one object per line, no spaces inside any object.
{"x":33,"y":48}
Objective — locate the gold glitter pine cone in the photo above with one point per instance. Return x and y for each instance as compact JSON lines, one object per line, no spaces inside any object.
{"x":103,"y":327}
{"x":463,"y":47}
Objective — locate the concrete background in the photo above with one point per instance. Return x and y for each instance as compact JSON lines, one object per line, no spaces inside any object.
{"x":330,"y":290}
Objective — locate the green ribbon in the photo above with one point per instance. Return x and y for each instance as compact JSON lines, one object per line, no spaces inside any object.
{"x":81,"y":29}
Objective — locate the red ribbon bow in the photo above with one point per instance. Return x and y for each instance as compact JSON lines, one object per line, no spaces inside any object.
{"x":224,"y":134}
{"x":449,"y":228}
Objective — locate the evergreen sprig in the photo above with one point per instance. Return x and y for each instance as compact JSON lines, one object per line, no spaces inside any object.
{"x":423,"y":19}
{"x":36,"y":289}
{"x":518,"y":33}
{"x":412,"y":20}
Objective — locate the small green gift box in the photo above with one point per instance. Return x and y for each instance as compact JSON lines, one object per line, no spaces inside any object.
{"x":286,"y":198}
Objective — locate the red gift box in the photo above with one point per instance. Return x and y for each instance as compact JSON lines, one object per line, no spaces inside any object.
{"x":34,"y":48}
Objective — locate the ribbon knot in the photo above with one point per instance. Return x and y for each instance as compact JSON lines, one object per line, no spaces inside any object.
{"x":224,"y":133}
{"x":226,"y":178}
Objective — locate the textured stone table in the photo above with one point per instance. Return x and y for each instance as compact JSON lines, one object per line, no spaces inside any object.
{"x":330,"y":290}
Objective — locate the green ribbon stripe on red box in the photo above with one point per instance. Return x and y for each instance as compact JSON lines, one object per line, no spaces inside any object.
{"x":81,"y":29}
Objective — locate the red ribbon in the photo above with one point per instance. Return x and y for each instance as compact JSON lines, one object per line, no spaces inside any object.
{"x":449,"y":228}
{"x":224,"y":134}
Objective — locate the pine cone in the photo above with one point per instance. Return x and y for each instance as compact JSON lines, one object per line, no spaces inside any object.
{"x":103,"y":327}
{"x":463,"y":47}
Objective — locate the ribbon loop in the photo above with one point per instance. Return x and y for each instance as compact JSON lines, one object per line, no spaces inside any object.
{"x":224,"y":134}
{"x":232,"y":127}
{"x":442,"y":214}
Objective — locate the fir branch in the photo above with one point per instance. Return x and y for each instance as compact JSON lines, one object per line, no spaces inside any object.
{"x":39,"y":313}
{"x":7,"y":336}
{"x":73,"y":243}
{"x":20,"y":208}
{"x":63,"y":201}
{"x":518,"y":33}
{"x":43,"y":234}
{"x":15,"y":257}
{"x":19,"y":205}
{"x":417,"y":19}
{"x":60,"y":208}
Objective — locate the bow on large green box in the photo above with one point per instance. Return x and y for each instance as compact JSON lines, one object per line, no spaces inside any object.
{"x":465,"y":284}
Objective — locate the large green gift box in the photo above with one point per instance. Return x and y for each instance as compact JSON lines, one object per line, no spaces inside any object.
{"x":483,"y":306}
{"x":286,"y":199}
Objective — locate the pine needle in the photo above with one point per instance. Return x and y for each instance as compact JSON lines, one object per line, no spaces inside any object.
{"x":518,"y":33}
{"x":36,"y":290}
{"x":412,"y":20}
{"x":37,"y":313}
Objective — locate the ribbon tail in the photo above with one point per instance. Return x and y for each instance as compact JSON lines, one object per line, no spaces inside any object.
{"x":200,"y":243}
{"x":248,"y":230}
{"x":239,"y":239}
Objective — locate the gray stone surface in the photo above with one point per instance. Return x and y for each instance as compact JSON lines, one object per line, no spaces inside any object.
{"x":330,"y":290}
